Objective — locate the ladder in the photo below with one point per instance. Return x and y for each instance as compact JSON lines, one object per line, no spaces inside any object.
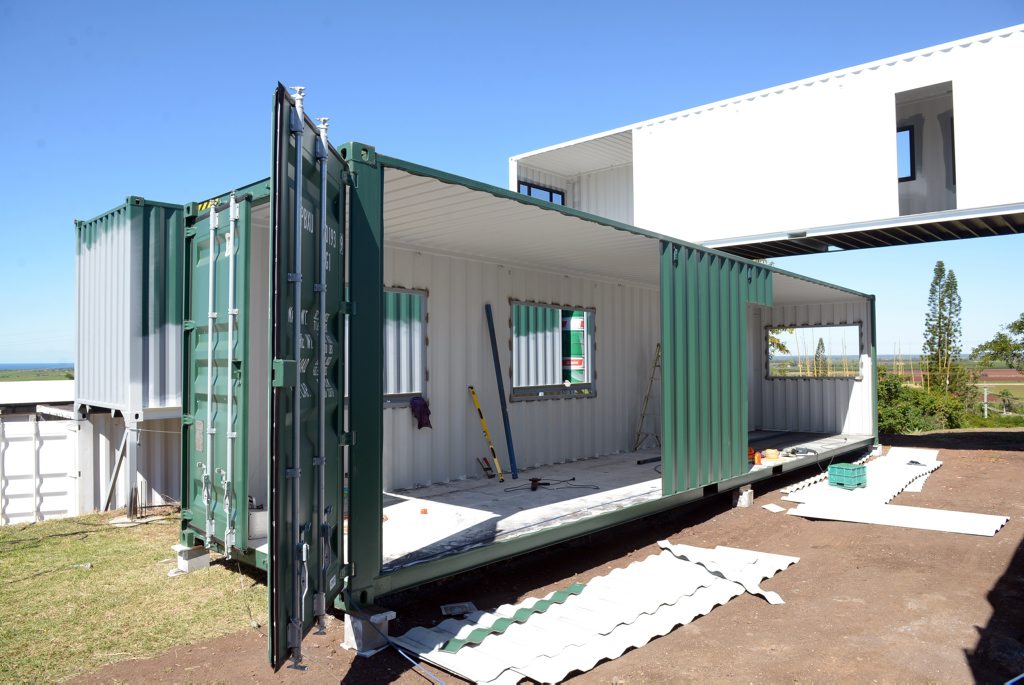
{"x":641,"y":434}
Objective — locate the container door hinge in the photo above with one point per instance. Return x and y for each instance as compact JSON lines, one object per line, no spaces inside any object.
{"x":186,"y":515}
{"x":347,"y":308}
{"x":292,"y":473}
{"x":350,"y":179}
{"x":283,"y":373}
{"x":347,"y":439}
{"x":188,"y":325}
{"x":187,"y":419}
{"x":190,"y":228}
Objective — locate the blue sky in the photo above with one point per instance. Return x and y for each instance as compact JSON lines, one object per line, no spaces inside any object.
{"x":171,"y":101}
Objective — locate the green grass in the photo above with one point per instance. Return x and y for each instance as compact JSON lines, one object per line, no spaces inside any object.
{"x":1016,"y":389}
{"x":994,"y":420}
{"x":37,"y":374}
{"x":60,"y":618}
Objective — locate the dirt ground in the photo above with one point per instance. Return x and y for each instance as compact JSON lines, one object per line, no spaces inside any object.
{"x":865,"y":603}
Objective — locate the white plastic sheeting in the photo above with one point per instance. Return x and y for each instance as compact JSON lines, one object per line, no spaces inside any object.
{"x":887,"y":477}
{"x":626,"y":608}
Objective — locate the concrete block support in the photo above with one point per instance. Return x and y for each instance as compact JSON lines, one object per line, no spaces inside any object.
{"x":367,"y":634}
{"x":190,"y":559}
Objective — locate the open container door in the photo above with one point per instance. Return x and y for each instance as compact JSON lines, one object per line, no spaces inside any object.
{"x":307,"y":330}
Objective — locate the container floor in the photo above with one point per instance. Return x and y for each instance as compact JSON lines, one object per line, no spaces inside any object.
{"x":432,"y":522}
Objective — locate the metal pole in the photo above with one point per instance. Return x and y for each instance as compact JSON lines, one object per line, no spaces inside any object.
{"x":300,"y":569}
{"x":37,"y":485}
{"x":119,"y":457}
{"x":229,"y":475}
{"x":984,"y":401}
{"x":501,"y":393}
{"x":211,"y":319}
{"x":320,"y":598}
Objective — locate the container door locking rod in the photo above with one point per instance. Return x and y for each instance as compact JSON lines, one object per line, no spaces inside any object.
{"x":211,"y":431}
{"x":299,"y":548}
{"x":229,"y":499}
{"x":501,"y":393}
{"x":323,"y":528}
{"x":487,"y":435}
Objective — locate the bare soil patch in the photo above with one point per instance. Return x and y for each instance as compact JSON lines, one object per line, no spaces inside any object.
{"x":865,"y":603}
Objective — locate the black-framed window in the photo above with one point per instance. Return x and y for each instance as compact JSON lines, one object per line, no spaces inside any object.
{"x":906,"y":149}
{"x":542,"y":193}
{"x":552,"y":350}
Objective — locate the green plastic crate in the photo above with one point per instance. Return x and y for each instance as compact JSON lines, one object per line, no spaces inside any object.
{"x":847,"y":476}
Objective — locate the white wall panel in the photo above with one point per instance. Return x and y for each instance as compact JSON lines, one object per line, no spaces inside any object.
{"x":830,"y":405}
{"x":626,"y":330}
{"x":38,"y":470}
{"x":822,"y":151}
{"x":607,"y":193}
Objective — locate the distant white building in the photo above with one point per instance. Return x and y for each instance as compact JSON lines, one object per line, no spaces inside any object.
{"x":914,"y":148}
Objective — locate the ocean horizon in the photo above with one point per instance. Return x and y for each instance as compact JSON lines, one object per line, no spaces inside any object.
{"x":23,"y":366}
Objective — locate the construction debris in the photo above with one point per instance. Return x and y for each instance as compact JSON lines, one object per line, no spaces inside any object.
{"x":610,"y":614}
{"x":887,"y":477}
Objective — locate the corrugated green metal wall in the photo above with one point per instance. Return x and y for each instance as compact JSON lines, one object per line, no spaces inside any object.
{"x":704,"y":299}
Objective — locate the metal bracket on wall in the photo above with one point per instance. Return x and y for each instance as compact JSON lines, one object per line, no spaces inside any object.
{"x":283,"y":373}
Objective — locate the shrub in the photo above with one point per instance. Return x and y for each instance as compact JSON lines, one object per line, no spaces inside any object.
{"x":906,"y":409}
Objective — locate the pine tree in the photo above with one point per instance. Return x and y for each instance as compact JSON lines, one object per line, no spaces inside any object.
{"x":951,"y":299}
{"x":942,"y":335}
{"x":819,"y":359}
{"x":934,"y":326}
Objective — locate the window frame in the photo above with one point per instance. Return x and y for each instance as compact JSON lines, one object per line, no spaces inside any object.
{"x":909,"y":128}
{"x":533,"y":393}
{"x":402,"y":399}
{"x":530,"y":185}
{"x":861,"y":350}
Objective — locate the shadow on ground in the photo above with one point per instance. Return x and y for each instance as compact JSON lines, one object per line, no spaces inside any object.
{"x":997,"y":439}
{"x":998,"y":655}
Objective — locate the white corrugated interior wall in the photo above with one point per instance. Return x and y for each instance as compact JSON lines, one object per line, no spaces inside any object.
{"x":38,"y":469}
{"x":830,"y":405}
{"x":547,"y":179}
{"x":627,"y":328}
{"x":607,"y":193}
{"x":159,"y":460}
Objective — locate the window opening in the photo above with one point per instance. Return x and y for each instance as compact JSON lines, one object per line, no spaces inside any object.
{"x":541,"y":193}
{"x":905,"y":153}
{"x":552,"y":350}
{"x":815,"y":352}
{"x":405,"y":327}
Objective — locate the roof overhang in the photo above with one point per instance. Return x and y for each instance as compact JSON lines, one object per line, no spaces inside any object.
{"x":439,"y":213}
{"x":583,"y":155}
{"x":423,"y":212}
{"x":953,"y":224}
